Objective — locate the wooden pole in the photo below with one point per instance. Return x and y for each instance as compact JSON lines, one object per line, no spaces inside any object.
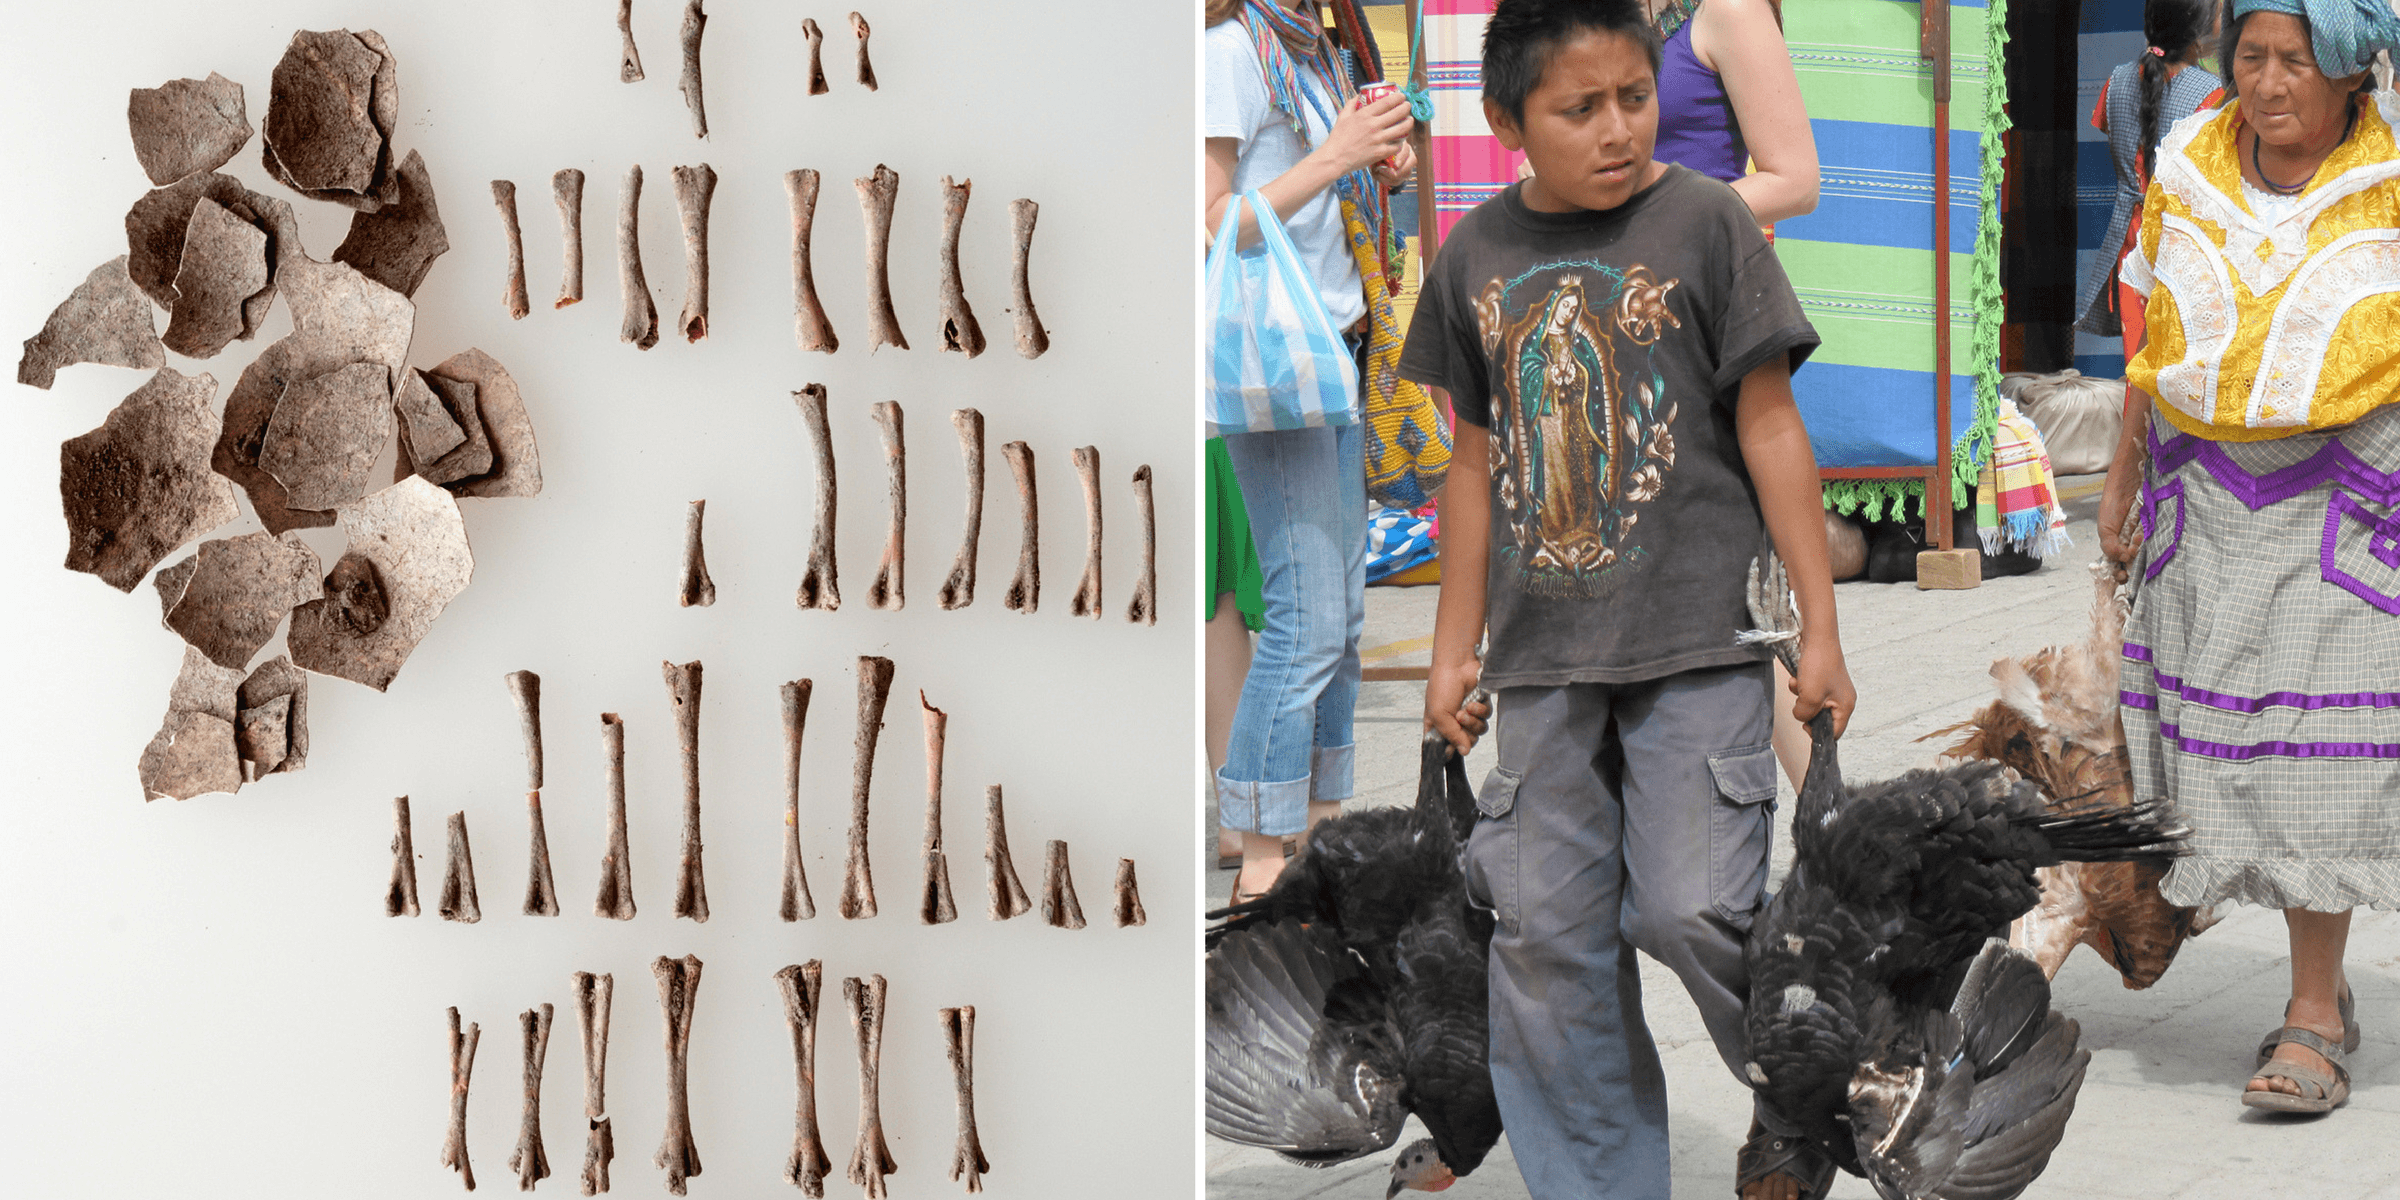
{"x":1936,"y":26}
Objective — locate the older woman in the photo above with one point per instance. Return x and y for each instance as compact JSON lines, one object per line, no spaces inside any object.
{"x":2261,"y":680}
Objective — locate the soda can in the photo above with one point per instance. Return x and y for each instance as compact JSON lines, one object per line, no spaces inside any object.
{"x":1369,"y":93}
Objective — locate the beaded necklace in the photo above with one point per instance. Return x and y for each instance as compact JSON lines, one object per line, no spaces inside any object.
{"x":2301,"y":186}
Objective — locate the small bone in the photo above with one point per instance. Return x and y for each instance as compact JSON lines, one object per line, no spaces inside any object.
{"x":694,"y":188}
{"x":1058,"y":889}
{"x":531,"y":1162}
{"x":1144,"y":609}
{"x":693,"y":21}
{"x":462,"y":1072}
{"x":889,"y":589}
{"x":959,"y":330}
{"x":1000,"y":871}
{"x":541,"y":894}
{"x":871,"y":1159}
{"x":697,"y":587}
{"x":629,"y":61}
{"x":592,"y":993}
{"x":526,"y":688}
{"x":504,"y":194}
{"x":866,"y":69}
{"x":816,"y":56}
{"x":958,"y":1029}
{"x":458,"y":876}
{"x":958,"y":591}
{"x":640,"y":325}
{"x":935,"y":907}
{"x":798,"y":905}
{"x":820,"y":585}
{"x":875,"y":195}
{"x":678,"y":990}
{"x":683,"y":688}
{"x":803,"y":985}
{"x":400,"y":900}
{"x":1129,"y":897}
{"x":858,"y":879}
{"x":1087,"y":591}
{"x":808,"y":317}
{"x":615,"y":900}
{"x":1025,"y":591}
{"x":566,"y":187}
{"x":1032,"y":339}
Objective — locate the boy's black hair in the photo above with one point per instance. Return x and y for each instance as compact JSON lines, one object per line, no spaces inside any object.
{"x":1522,"y":33}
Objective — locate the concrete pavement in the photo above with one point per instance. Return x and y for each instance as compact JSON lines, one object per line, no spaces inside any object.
{"x":2159,"y":1114}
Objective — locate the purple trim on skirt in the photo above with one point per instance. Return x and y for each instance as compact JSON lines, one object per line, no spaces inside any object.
{"x":2304,"y":701}
{"x":2334,"y":462}
{"x":2152,"y":497}
{"x":2137,"y":652}
{"x":2138,"y":700}
{"x":2175,"y":738}
{"x":2387,"y":529}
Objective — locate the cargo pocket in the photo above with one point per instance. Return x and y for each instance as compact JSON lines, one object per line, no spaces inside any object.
{"x":1492,"y":848}
{"x":1740,"y":830}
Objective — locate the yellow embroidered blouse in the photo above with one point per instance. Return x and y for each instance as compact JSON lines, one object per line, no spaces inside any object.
{"x":2260,"y":327}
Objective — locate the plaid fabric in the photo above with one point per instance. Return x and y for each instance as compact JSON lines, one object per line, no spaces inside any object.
{"x":2016,"y":499}
{"x":2258,"y":685}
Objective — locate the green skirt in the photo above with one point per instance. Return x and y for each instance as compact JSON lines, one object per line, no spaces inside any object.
{"x":1232,"y":556}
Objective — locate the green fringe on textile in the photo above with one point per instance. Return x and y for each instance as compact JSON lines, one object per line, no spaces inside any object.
{"x":1874,"y":497}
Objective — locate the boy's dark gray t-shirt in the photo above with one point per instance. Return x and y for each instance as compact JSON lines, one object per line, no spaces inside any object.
{"x":1605,"y":351}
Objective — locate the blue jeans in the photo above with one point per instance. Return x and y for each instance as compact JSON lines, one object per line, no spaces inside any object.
{"x":1306,"y":490}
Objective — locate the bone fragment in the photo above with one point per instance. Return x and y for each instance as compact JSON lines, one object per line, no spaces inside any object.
{"x":1144,"y":609}
{"x":1032,"y":339}
{"x":958,"y":591}
{"x":798,"y":905}
{"x":875,"y":195}
{"x":1025,"y":591}
{"x":458,"y":876}
{"x":1087,"y":591}
{"x":816,"y":56}
{"x":629,"y":62}
{"x":531,"y":1162}
{"x":871,"y":1159}
{"x":541,"y":893}
{"x":959,"y":330}
{"x":683,"y":688}
{"x":233,"y":593}
{"x":889,"y":589}
{"x":935,"y":906}
{"x":504,"y":194}
{"x":396,"y":244}
{"x":566,"y":187}
{"x":224,"y":264}
{"x":592,"y":995}
{"x":326,"y":433}
{"x":400,"y":899}
{"x":858,"y":879}
{"x":678,"y":990}
{"x":641,"y":315}
{"x":866,"y":69}
{"x":1058,"y":890}
{"x":615,"y":900}
{"x":462,"y":1072}
{"x":694,"y":187}
{"x":803,"y":986}
{"x":958,"y":1029}
{"x":1129,"y":897}
{"x":505,"y":427}
{"x":106,"y":320}
{"x":820,"y":585}
{"x":334,"y":101}
{"x":693,"y":21}
{"x":697,"y":589}
{"x":185,"y":126}
{"x":808,"y":317}
{"x":525,"y":688}
{"x":275,"y":693}
{"x":407,"y":558}
{"x":139,"y":486}
{"x":1008,"y":898}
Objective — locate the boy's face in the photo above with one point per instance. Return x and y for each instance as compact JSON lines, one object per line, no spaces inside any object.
{"x":1589,"y":125}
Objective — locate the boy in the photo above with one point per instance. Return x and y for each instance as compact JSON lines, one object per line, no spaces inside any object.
{"x":1616,"y":339}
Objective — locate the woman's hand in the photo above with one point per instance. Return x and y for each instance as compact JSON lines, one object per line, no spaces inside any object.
{"x":1365,"y":134}
{"x":1395,"y":173}
{"x":1823,"y":682}
{"x":1447,"y":712}
{"x":2124,"y":481}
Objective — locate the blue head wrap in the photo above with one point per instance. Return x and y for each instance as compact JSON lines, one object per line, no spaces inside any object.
{"x":2345,"y":34}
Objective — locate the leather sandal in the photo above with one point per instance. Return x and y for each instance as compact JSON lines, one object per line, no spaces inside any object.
{"x":1764,"y":1155}
{"x":2330,"y":1091}
{"x":2346,"y":1005}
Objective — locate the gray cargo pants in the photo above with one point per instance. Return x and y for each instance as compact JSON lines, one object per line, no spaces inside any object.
{"x":1621,"y":817}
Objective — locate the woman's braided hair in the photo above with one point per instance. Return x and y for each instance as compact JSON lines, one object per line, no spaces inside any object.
{"x":2173,"y":30}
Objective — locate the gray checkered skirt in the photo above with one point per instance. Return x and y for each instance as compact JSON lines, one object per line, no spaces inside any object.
{"x":2261,"y":681}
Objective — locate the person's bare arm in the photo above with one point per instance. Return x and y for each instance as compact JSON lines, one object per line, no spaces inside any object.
{"x":1458,"y":614}
{"x":2125,"y":469}
{"x":1784,"y":468}
{"x":1740,"y":41}
{"x":1361,"y":135}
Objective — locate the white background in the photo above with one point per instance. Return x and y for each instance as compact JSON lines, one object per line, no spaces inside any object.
{"x":203,"y":998}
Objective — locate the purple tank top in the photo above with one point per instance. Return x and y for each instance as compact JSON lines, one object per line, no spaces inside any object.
{"x":1696,"y":128}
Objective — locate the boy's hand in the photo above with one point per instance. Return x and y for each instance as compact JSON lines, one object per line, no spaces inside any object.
{"x":1446,"y":709}
{"x":1365,"y":134}
{"x":1823,"y":682}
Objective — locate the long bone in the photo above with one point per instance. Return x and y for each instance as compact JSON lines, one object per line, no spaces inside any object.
{"x":615,"y":899}
{"x":1032,"y":340}
{"x":698,"y":588}
{"x":683,"y":689}
{"x":871,"y":1159}
{"x":694,"y":188}
{"x":959,"y":330}
{"x":875,"y":195}
{"x":866,"y":68}
{"x":400,"y":899}
{"x":458,"y":876}
{"x":1058,"y":889}
{"x":678,"y":991}
{"x":803,"y":986}
{"x":629,"y":60}
{"x":504,"y":195}
{"x":958,"y":591}
{"x":816,"y":56}
{"x":958,"y":1029}
{"x":462,"y":1074}
{"x":889,"y":590}
{"x":566,"y":187}
{"x":1144,"y":609}
{"x":798,"y":905}
{"x":820,"y":585}
{"x":1008,"y":898}
{"x":541,"y":893}
{"x":1129,"y":897}
{"x":531,"y":1162}
{"x":858,"y":879}
{"x":592,"y":995}
{"x":1087,"y":590}
{"x":1025,"y":591}
{"x":934,"y":906}
{"x":809,"y":325}
{"x":693,"y":22}
{"x":640,"y":325}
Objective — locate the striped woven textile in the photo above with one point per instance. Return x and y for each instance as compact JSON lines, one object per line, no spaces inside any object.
{"x":1863,"y":262}
{"x":1470,"y":166}
{"x":2016,"y":499}
{"x":2109,"y":32}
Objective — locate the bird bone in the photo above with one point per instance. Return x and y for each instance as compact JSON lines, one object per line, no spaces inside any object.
{"x":1059,"y":907}
{"x":615,"y":900}
{"x":1008,"y":898}
{"x":798,"y":905}
{"x":816,"y":56}
{"x":866,"y":69}
{"x":935,"y":906}
{"x":889,"y":591}
{"x":876,"y":193}
{"x":1144,"y":609}
{"x":678,"y":991}
{"x":820,"y":585}
{"x":694,"y":188}
{"x":1129,"y":897}
{"x":504,"y":194}
{"x":629,"y":60}
{"x":1086,"y":602}
{"x":462,"y":1073}
{"x":871,"y":1159}
{"x":458,"y":876}
{"x":858,"y":879}
{"x":1032,"y":340}
{"x":959,"y":330}
{"x":694,"y":21}
{"x":803,"y":986}
{"x":698,"y":589}
{"x":531,"y":1162}
{"x":640,"y":325}
{"x":1025,"y":591}
{"x":592,"y":996}
{"x":683,"y":689}
{"x":809,"y":325}
{"x":400,"y":899}
{"x":958,"y":1029}
{"x":958,"y":591}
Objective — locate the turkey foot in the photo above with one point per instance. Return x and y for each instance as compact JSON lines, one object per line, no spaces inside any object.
{"x":566,"y":187}
{"x":1129,"y":897}
{"x":858,"y":880}
{"x":958,"y":1029}
{"x":1058,"y":889}
{"x":640,"y":325}
{"x":400,"y":899}
{"x":541,"y":894}
{"x":1086,"y":602}
{"x":462,"y":1072}
{"x":693,"y":22}
{"x":820,"y":585}
{"x":798,"y":905}
{"x":866,"y":69}
{"x":592,"y":994}
{"x":694,"y":188}
{"x":1025,"y":591}
{"x":683,"y":688}
{"x":697,"y":588}
{"x":958,"y":591}
{"x":1144,"y":609}
{"x":615,"y":900}
{"x":1032,"y":340}
{"x":816,"y":56}
{"x":458,"y":876}
{"x":629,"y":60}
{"x":935,"y":907}
{"x":1008,"y":896}
{"x":808,"y":317}
{"x":871,"y":1160}
{"x":875,"y":195}
{"x":531,"y":1162}
{"x":959,"y":330}
{"x":889,"y":589}
{"x":504,"y":194}
{"x":803,"y":985}
{"x":678,"y":990}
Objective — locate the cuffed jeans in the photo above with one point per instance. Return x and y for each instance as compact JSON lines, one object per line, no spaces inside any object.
{"x":1620,"y":817}
{"x":1306,"y":491}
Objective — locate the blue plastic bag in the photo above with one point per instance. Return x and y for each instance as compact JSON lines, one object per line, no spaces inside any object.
{"x":1275,"y":360}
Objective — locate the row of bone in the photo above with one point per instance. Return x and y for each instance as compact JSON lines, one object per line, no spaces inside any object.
{"x":678,"y":1155}
{"x":695,"y":189}
{"x":695,"y":22}
{"x":820,"y":584}
{"x":1008,"y":899}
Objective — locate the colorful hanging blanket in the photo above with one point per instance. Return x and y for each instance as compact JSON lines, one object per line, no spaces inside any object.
{"x":2016,"y":496}
{"x":1470,"y":165}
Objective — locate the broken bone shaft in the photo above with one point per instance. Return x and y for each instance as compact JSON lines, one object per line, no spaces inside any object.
{"x":803,"y":986}
{"x":592,"y":996}
{"x":531,"y":1162}
{"x":934,"y":905}
{"x":640,"y":325}
{"x":1025,"y":591}
{"x":566,"y":187}
{"x":889,"y":591}
{"x":541,"y":892}
{"x":615,"y":899}
{"x":629,"y":60}
{"x":820,"y":585}
{"x":1059,"y":907}
{"x":858,"y":879}
{"x":958,"y":591}
{"x":816,"y":56}
{"x":694,"y":188}
{"x":798,"y":905}
{"x":871,"y":1159}
{"x":1144,"y":609}
{"x":1087,"y":590}
{"x":693,"y":22}
{"x":462,"y":1073}
{"x":458,"y":876}
{"x":678,"y":991}
{"x":866,"y":68}
{"x":1008,"y":897}
{"x":698,"y":589}
{"x":504,"y":194}
{"x":958,"y":1029}
{"x":1129,"y":897}
{"x":683,"y":690}
{"x":400,"y":899}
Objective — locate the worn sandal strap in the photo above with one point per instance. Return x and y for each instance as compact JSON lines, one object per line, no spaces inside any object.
{"x":2324,"y":1083}
{"x":2299,"y":1036}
